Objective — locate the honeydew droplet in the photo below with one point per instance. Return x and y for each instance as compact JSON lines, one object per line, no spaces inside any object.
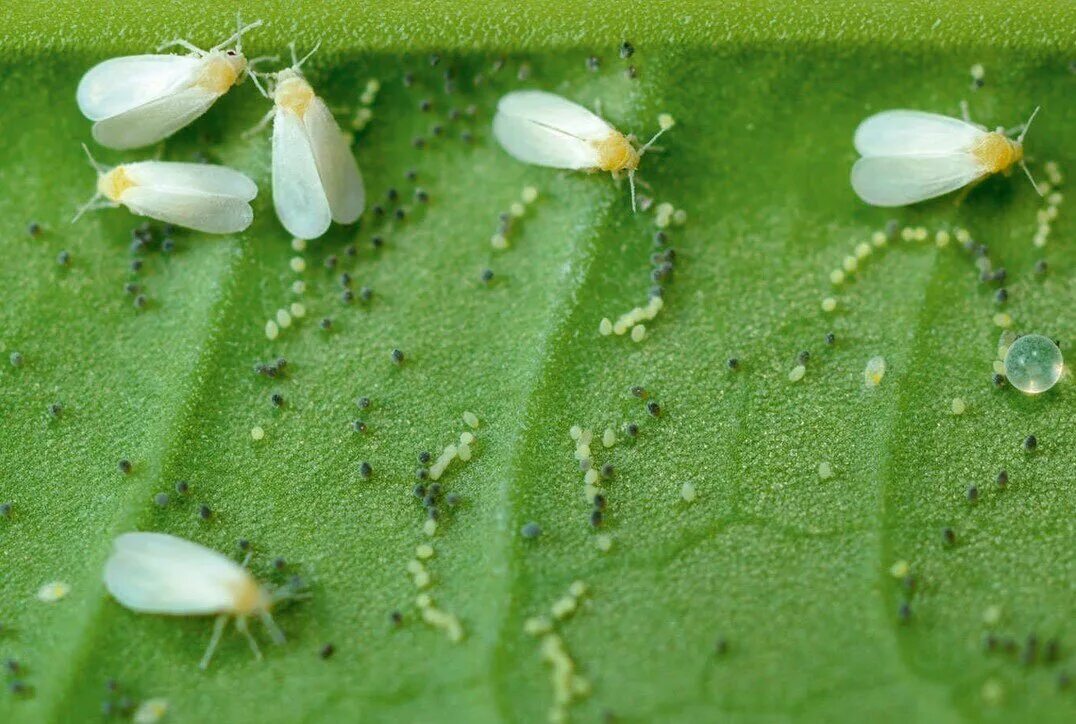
{"x":575,"y":431}
{"x":687,"y":492}
{"x":298,"y":244}
{"x":498,"y":241}
{"x":797,"y":373}
{"x":665,"y":121}
{"x":1033,"y":364}
{"x":516,"y":209}
{"x":878,"y":239}
{"x":941,"y":239}
{"x":256,"y":433}
{"x":298,"y":286}
{"x":530,"y":194}
{"x":604,"y":542}
{"x":298,"y":310}
{"x":850,"y":263}
{"x":605,"y":327}
{"x":638,"y":332}
{"x":54,"y":591}
{"x":150,"y":711}
{"x":272,"y":331}
{"x":863,"y":250}
{"x":829,"y":304}
{"x":470,"y":419}
{"x":836,"y":276}
{"x":297,"y":264}
{"x":900,"y":569}
{"x":1003,"y":319}
{"x":874,"y":371}
{"x":283,"y":318}
{"x":957,"y":406}
{"x":825,"y":470}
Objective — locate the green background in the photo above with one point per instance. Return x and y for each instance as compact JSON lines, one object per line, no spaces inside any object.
{"x":791,"y":570}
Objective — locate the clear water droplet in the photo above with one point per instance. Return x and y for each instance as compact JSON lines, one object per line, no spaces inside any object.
{"x":1033,"y":363}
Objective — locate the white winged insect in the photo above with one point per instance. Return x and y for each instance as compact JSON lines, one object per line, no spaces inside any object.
{"x":316,"y":179}
{"x":911,"y":156}
{"x":163,"y":574}
{"x":548,"y":130}
{"x":199,"y":196}
{"x":138,"y":100}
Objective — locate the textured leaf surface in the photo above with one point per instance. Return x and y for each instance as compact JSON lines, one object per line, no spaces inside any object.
{"x":792,"y":571}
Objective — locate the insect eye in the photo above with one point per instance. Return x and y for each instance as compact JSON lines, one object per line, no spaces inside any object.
{"x":231,"y":52}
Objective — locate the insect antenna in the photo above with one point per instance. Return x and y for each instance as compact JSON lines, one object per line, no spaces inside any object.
{"x":297,"y":64}
{"x":1031,"y":178}
{"x":1020,"y":138}
{"x":88,"y":206}
{"x":653,"y":138}
{"x":100,"y":169}
{"x":237,"y":37}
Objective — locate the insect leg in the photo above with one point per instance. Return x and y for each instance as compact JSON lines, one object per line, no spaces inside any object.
{"x":274,"y":631}
{"x":218,"y":631}
{"x":241,"y":624}
{"x":260,"y":125}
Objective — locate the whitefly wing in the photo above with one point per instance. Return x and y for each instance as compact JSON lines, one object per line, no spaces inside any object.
{"x":339,"y":172}
{"x":211,"y":213}
{"x":159,"y":573}
{"x":197,"y":177}
{"x":913,"y":133}
{"x":153,"y":121}
{"x":547,"y":130}
{"x":298,"y":194}
{"x":117,"y":85}
{"x":903,"y":180}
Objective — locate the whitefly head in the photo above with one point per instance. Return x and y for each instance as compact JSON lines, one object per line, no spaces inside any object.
{"x":224,"y":65}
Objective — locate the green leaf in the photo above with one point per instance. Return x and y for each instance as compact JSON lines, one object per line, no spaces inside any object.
{"x":791,"y":571}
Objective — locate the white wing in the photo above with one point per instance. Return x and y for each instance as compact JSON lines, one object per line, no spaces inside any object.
{"x":120,"y":84}
{"x":197,"y":177}
{"x":298,"y":196}
{"x":902,"y":180}
{"x":547,"y":130}
{"x":336,"y":164}
{"x":150,"y":122}
{"x":192,"y":209}
{"x":901,"y":133}
{"x":159,"y":573}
